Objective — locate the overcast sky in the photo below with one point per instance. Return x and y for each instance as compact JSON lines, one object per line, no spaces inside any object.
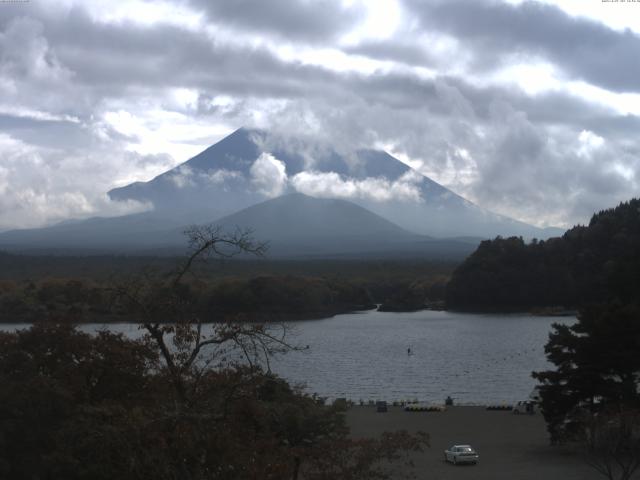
{"x":530,"y":109}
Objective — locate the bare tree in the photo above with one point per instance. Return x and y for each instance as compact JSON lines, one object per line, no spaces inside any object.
{"x":612,"y":441}
{"x":169,"y":311}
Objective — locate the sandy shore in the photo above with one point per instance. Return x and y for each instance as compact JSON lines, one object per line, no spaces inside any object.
{"x":510,"y":446}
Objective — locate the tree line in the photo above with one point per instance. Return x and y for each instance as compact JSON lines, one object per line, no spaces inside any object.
{"x":259,"y":298}
{"x":588,"y":264}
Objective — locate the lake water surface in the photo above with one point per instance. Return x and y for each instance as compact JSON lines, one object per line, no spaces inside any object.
{"x":474,"y":358}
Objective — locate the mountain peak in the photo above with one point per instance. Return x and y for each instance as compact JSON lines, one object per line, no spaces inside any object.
{"x":241,"y":170}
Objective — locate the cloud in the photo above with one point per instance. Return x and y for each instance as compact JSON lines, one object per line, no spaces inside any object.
{"x":184,"y":176}
{"x":589,"y":143}
{"x":126,"y":100}
{"x":268,"y":175}
{"x":39,"y":188}
{"x":219,"y":177}
{"x":21,"y":112}
{"x":332,"y":185}
{"x":26,"y":54}
{"x":498,"y":32}
{"x":561,"y":177}
{"x":269,"y":178}
{"x":312,"y":21}
{"x":395,"y":51}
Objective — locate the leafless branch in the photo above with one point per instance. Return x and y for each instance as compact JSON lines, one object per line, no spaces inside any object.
{"x":174,"y":325}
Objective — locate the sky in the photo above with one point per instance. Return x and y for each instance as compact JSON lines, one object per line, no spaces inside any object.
{"x":530,"y":108}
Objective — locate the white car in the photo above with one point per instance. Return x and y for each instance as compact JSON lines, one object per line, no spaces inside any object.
{"x":461,"y":454}
{"x":524,"y":407}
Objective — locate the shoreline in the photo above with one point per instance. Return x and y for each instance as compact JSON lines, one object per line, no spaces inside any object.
{"x":311,"y":316}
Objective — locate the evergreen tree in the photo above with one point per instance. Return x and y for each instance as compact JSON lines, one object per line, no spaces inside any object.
{"x":597,"y":366}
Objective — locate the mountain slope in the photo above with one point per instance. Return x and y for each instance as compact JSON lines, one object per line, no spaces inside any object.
{"x":294,"y":226}
{"x":296,"y":216}
{"x":224,"y":178}
{"x":298,"y":225}
{"x":102,"y":235}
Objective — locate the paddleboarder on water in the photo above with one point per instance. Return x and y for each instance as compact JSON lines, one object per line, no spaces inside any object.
{"x":409,"y":351}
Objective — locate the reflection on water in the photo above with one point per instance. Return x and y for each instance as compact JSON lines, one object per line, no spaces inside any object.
{"x":474,"y":358}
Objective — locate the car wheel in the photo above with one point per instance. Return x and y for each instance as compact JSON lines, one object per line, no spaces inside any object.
{"x":455,"y":461}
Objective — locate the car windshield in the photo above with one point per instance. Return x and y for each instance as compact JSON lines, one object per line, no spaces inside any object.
{"x":465,"y":449}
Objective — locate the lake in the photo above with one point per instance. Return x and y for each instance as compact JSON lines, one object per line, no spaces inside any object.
{"x":475,"y":358}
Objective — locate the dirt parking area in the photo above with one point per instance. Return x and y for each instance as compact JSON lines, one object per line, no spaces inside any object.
{"x":510,"y":446}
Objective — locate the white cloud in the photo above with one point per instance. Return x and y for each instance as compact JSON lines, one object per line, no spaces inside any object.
{"x":269,"y":175}
{"x":382,"y":19}
{"x":185,"y":176}
{"x":31,"y":207}
{"x":143,"y":12}
{"x":182,"y":177}
{"x":4,"y":180}
{"x":618,"y":15}
{"x":331,"y":185}
{"x":42,"y":187}
{"x":532,"y":77}
{"x":589,"y":142}
{"x":219,"y":177}
{"x":152,"y":128}
{"x":24,"y":112}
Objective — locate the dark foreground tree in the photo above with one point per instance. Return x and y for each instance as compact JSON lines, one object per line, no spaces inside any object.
{"x":188,"y":400}
{"x":63,"y":390}
{"x":176,"y":324}
{"x":612,"y":441}
{"x":593,"y":391}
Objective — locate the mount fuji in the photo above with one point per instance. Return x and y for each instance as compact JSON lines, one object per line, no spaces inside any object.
{"x":226,"y":177}
{"x":303,"y":199}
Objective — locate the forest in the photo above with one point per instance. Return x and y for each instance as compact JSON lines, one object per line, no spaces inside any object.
{"x":588,"y":264}
{"x":80,"y":289}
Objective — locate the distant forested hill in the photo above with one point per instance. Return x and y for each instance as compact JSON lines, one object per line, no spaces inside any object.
{"x":595,"y":263}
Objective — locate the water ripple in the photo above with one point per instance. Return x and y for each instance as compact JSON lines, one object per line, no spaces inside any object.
{"x":473,"y":358}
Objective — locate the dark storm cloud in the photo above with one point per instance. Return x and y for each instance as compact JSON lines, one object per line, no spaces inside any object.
{"x":455,"y":97}
{"x":498,"y":33}
{"x":114,"y":57}
{"x":313,"y":21}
